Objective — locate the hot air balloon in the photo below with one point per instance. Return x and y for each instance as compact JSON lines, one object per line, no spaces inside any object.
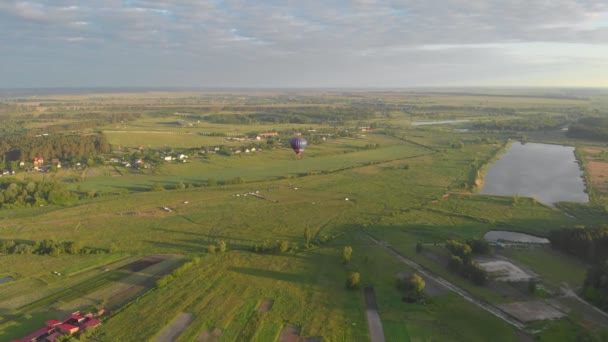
{"x":298,"y":145}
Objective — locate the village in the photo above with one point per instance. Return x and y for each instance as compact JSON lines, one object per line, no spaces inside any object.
{"x":72,"y":325}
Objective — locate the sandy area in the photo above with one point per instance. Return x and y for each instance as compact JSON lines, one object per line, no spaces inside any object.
{"x":531,"y":311}
{"x":502,"y":270}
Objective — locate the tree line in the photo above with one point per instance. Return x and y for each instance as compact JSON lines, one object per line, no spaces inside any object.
{"x":461,"y":259}
{"x":536,"y":123}
{"x":301,"y":115}
{"x":24,"y":147}
{"x":595,"y":128}
{"x":24,"y":193}
{"x":46,"y":247}
{"x":590,"y":244}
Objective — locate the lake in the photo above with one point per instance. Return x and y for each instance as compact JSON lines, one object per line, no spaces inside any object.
{"x":498,"y":235}
{"x":546,"y":172}
{"x":424,"y":123}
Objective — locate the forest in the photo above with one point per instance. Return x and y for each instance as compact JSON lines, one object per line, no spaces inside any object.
{"x":17,"y":193}
{"x":589,"y":128}
{"x":25,"y":147}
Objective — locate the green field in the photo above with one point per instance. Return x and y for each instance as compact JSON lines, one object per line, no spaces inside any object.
{"x":399,"y":183}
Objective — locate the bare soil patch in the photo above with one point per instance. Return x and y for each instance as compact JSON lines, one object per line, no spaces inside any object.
{"x":290,"y":334}
{"x":119,"y":299}
{"x":176,"y":328}
{"x":142,"y":263}
{"x":592,"y":151}
{"x":598,"y":171}
{"x":502,"y":270}
{"x":531,"y":311}
{"x":266,"y":306}
{"x":210,"y":335}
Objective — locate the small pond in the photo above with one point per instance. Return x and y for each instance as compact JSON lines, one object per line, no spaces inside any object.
{"x":503,"y":235}
{"x":425,"y":123}
{"x":546,"y":172}
{"x":6,"y":279}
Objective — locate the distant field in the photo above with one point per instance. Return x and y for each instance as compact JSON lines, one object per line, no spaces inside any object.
{"x":399,"y":183}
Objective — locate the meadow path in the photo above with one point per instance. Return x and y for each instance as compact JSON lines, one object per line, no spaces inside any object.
{"x":460,"y":291}
{"x":376,"y":333}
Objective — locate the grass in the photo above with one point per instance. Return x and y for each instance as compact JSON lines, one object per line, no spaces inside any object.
{"x":408,"y":190}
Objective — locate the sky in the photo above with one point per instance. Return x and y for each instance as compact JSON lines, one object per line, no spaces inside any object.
{"x":307,"y":43}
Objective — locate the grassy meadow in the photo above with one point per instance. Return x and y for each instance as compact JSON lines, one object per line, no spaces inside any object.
{"x":413,"y":186}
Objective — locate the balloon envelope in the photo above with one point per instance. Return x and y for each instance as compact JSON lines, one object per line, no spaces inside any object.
{"x":298,"y":145}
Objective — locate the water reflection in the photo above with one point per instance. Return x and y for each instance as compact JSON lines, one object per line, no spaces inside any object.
{"x":546,"y":172}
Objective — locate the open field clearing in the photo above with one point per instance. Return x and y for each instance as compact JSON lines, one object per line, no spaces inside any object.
{"x":285,"y":221}
{"x":112,"y":286}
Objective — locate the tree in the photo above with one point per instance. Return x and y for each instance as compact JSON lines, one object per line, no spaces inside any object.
{"x":211,"y":182}
{"x":455,"y":263}
{"x":283,"y":246}
{"x":418,"y":247}
{"x":412,"y":285}
{"x":307,"y":236}
{"x":347,"y":253}
{"x":180,"y":185}
{"x":417,"y":284}
{"x":211,"y":249}
{"x":353,"y":280}
{"x":157,"y":187}
{"x":222,"y":246}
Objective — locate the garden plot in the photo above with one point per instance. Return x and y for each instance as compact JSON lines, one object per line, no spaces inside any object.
{"x":503,"y":270}
{"x":531,"y":311}
{"x":176,"y":328}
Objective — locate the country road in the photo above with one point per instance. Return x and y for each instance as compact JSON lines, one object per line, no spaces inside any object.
{"x":460,"y":291}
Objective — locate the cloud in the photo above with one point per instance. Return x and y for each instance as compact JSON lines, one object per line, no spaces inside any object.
{"x":332,"y":42}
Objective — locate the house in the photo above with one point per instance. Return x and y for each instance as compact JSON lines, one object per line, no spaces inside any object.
{"x":182,"y":156}
{"x":114,"y":160}
{"x":247,"y":151}
{"x":168,"y":158}
{"x":253,"y":149}
{"x":52,"y":323}
{"x":76,"y":318}
{"x":70,"y":325}
{"x":38,"y":161}
{"x":21,"y":163}
{"x":56,"y":162}
{"x":68,"y":328}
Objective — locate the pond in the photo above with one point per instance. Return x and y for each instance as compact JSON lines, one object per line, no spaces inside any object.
{"x":503,"y":235}
{"x":6,"y":279}
{"x":425,"y":123}
{"x":546,"y":172}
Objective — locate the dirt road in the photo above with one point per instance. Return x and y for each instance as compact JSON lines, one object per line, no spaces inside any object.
{"x":376,"y":333}
{"x":463,"y":293}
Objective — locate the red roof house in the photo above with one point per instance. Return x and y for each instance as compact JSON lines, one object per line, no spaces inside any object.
{"x":68,"y":328}
{"x":52,"y":323}
{"x":77,"y":317}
